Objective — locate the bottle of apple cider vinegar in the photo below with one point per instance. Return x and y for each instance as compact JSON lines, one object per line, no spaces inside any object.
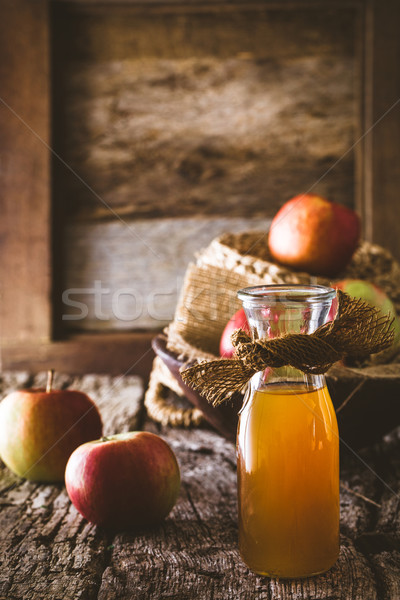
{"x":287,"y":447}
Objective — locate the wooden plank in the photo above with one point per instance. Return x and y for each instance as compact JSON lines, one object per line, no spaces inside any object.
{"x":48,"y":550}
{"x":25,"y":312}
{"x":129,"y":275}
{"x":382,"y":124}
{"x":54,"y":553}
{"x":199,"y":557}
{"x":260,"y":115}
{"x":178,"y":140}
{"x":210,"y":4}
{"x":114,"y":354}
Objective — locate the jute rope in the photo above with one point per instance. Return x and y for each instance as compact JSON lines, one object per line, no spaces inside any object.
{"x":358,"y":330}
{"x":208,"y":299}
{"x":233,"y":261}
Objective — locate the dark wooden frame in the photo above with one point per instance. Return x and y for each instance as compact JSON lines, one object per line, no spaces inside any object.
{"x":27,"y":223}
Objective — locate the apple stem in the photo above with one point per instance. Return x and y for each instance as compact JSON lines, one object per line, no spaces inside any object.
{"x":50,"y":375}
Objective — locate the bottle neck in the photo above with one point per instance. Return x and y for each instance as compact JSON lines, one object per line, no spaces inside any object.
{"x":281,"y":317}
{"x":287,"y":377}
{"x":271,"y":321}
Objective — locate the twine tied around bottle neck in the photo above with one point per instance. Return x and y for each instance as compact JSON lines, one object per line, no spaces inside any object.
{"x":358,"y":331}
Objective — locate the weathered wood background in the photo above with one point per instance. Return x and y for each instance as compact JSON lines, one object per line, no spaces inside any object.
{"x":187,"y":123}
{"x":48,"y":551}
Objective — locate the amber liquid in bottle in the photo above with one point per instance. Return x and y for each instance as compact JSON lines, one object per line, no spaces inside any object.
{"x":288,"y":480}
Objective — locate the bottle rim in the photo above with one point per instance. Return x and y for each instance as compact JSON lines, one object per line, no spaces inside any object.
{"x":286,"y":294}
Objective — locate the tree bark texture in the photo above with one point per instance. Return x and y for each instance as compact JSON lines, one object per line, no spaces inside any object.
{"x":48,"y":551}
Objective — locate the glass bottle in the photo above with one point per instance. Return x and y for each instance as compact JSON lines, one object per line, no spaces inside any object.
{"x":287,"y":446}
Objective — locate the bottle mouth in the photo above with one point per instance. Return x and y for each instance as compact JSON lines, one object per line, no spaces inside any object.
{"x":294,"y":295}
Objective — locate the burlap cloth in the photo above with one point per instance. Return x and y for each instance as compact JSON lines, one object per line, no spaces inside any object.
{"x":208,"y":300}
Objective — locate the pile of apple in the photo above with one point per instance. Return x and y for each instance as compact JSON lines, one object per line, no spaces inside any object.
{"x":124,"y":481}
{"x":312,"y":234}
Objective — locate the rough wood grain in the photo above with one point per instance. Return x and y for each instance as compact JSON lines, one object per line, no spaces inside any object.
{"x":158,"y":121}
{"x":167,"y":134}
{"x":382,"y":122}
{"x":48,"y":551}
{"x":115,"y":354}
{"x":129,"y":275}
{"x":25,"y":311}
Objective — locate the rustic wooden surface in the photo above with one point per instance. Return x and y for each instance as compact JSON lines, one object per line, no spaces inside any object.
{"x":382,"y":122}
{"x":48,"y":551}
{"x":174,"y":140}
{"x":127,"y":353}
{"x":138,"y":271}
{"x":159,"y":121}
{"x":24,"y":172}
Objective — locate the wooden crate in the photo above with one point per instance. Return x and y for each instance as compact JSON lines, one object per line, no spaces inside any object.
{"x":31,"y":267}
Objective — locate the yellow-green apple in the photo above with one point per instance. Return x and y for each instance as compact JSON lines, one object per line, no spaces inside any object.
{"x":124,"y":481}
{"x":40,"y":428}
{"x":374,"y":295}
{"x":237,"y":321}
{"x":312,"y":234}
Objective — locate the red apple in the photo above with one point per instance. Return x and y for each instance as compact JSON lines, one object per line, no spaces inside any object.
{"x":374,"y":295}
{"x":314,"y":235}
{"x":238,"y":321}
{"x":40,"y":428}
{"x":124,"y":481}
